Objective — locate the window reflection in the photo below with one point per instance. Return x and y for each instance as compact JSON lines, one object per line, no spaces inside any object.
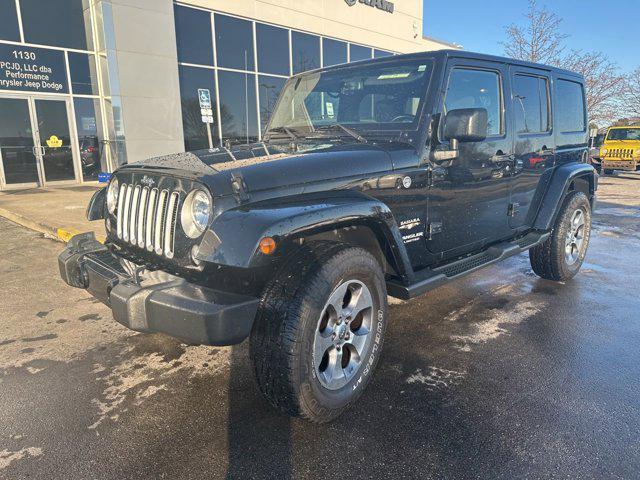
{"x":305,"y":52}
{"x":273,"y":49}
{"x":195,"y":131}
{"x":476,"y":89}
{"x":358,"y":52}
{"x":269,"y":88}
{"x":334,"y":52}
{"x":234,"y":42}
{"x":193,"y":35}
{"x":238,"y":107}
{"x":89,"y":127}
{"x":9,"y":29}
{"x":83,"y":73}
{"x":62,"y":24}
{"x":570,"y":106}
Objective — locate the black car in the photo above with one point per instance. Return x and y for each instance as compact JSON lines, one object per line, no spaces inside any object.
{"x":384,"y":177}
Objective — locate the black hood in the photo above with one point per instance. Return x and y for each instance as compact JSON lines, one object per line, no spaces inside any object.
{"x":271,"y":166}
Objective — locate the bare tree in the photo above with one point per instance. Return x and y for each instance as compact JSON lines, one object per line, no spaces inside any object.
{"x":539,"y":39}
{"x":605,"y":86}
{"x":631,"y":96}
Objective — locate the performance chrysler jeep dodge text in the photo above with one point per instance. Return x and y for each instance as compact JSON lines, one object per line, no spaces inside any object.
{"x":383,"y":177}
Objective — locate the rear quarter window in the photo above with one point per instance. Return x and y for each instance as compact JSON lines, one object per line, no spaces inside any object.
{"x":571,"y":108}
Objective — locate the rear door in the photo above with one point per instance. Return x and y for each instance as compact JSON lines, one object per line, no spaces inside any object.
{"x":534,"y":141}
{"x":468,"y":199}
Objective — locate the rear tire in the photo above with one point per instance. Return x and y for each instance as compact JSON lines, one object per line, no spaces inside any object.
{"x":306,"y":363}
{"x":560,"y":257}
{"x":608,"y":171}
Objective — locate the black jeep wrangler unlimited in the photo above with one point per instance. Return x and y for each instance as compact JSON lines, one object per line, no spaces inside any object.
{"x":383,"y":177}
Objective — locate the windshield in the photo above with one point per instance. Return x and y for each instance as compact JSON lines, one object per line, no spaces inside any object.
{"x":624,"y":134}
{"x":365,"y":98}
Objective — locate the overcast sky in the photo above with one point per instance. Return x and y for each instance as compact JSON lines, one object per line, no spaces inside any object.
{"x":478,"y":25}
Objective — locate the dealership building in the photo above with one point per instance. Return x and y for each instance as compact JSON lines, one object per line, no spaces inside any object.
{"x":87,"y":85}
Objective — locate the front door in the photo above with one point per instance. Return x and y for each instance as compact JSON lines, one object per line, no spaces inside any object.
{"x":469,"y":199}
{"x":35,"y":142}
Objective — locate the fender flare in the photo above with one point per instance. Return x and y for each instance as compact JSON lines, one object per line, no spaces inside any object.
{"x":233,"y":237}
{"x":97,"y":205}
{"x":558,"y":187}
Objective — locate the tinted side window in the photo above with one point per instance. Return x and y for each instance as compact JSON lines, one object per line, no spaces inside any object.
{"x":193,"y":35}
{"x":571,"y":111}
{"x":273,"y":49}
{"x":9,"y":21}
{"x":531,"y":104}
{"x":476,"y":89}
{"x":234,"y":42}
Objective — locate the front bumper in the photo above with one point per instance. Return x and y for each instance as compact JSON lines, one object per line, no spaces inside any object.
{"x":189,"y":312}
{"x":616,"y":164}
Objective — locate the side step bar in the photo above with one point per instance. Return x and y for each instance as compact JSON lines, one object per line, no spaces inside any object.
{"x":428,"y":279}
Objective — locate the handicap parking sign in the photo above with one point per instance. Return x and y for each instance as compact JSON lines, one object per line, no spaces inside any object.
{"x":204,"y":96}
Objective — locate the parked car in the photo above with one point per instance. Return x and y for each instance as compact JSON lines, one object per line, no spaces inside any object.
{"x":385,"y":177}
{"x":620,"y":150}
{"x":594,"y":150}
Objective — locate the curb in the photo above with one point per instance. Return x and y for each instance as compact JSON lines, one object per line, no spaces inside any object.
{"x":60,"y":234}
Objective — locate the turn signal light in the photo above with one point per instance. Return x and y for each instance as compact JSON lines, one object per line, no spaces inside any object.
{"x":267,"y":245}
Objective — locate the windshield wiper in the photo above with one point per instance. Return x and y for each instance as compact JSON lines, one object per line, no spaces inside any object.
{"x":347,"y":130}
{"x":290,"y":133}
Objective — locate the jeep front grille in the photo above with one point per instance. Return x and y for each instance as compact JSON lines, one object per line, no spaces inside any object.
{"x":620,"y":153}
{"x":146,"y":218}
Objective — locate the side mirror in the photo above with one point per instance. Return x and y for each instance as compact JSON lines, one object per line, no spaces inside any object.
{"x":466,"y":125}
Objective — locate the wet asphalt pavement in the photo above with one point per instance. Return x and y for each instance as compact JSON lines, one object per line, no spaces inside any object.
{"x":498,"y":375}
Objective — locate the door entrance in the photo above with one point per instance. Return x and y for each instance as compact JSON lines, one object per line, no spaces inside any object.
{"x":36,"y":145}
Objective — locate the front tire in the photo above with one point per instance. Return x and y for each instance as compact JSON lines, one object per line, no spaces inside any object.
{"x":608,"y":171}
{"x":319,"y":330}
{"x":560,"y":257}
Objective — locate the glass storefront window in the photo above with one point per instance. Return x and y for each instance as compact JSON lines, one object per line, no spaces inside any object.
{"x":305,"y":51}
{"x":381,"y":53}
{"x":334,"y":52}
{"x":58,"y":23}
{"x":269,"y":90}
{"x":195,"y":131}
{"x":84,"y":77}
{"x":238,"y":107}
{"x":89,"y":126}
{"x":193,"y":36}
{"x":358,"y":52}
{"x":9,"y":29}
{"x":234,"y":42}
{"x":273,"y":49}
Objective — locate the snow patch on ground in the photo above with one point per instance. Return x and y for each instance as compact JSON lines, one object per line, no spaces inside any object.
{"x":136,"y":379}
{"x":493,"y":322}
{"x":436,"y":378}
{"x":7,"y":457}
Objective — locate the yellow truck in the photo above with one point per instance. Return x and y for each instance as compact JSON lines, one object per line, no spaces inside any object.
{"x":620,"y":150}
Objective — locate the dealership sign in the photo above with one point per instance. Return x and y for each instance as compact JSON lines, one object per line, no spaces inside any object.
{"x":380,"y":4}
{"x":30,"y":69}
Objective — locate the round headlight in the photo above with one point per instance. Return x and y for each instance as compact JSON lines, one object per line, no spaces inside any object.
{"x":112,"y":195}
{"x":196,"y":213}
{"x":603,"y":151}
